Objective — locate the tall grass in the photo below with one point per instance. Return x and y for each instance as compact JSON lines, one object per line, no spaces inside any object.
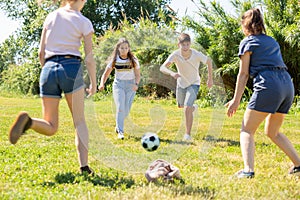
{"x":40,"y":167}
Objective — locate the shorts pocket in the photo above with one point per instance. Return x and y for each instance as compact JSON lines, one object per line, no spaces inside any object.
{"x":45,"y":75}
{"x":73,"y":72}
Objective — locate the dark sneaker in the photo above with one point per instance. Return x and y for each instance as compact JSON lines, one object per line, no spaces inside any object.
{"x":86,"y":170}
{"x":295,"y":171}
{"x":242,"y":174}
{"x":22,"y":123}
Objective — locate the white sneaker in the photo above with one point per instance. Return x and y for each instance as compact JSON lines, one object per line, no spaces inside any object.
{"x":120,"y":135}
{"x":187,"y":137}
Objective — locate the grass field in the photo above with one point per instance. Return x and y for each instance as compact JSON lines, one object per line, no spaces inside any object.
{"x":40,"y":167}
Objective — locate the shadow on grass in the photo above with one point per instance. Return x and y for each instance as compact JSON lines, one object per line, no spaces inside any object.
{"x":110,"y":180}
{"x":223,"y":141}
{"x":178,"y":187}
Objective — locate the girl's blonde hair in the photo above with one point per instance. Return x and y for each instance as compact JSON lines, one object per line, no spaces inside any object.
{"x":116,"y":52}
{"x":252,"y":21}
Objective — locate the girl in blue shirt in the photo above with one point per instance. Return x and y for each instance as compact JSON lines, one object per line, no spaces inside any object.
{"x":273,"y":92}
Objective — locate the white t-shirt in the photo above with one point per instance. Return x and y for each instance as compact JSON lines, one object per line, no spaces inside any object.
{"x":187,"y":68}
{"x":65,"y":29}
{"x":124,"y":69}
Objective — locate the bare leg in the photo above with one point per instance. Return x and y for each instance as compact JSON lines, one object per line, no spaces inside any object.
{"x":272,"y":126}
{"x":188,"y":111}
{"x":76,"y":105}
{"x":49,"y":124}
{"x":252,"y":120}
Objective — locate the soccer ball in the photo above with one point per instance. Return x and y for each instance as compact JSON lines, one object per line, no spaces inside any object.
{"x":150,"y":141}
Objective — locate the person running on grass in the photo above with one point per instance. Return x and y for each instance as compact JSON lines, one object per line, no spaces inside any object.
{"x":187,"y":61}
{"x":273,"y":95}
{"x":125,"y":85}
{"x":62,"y":72}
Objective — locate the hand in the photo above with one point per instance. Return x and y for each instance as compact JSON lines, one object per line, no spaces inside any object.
{"x":91,"y":90}
{"x":176,"y":75}
{"x":101,"y":87}
{"x":232,"y":106}
{"x":135,"y":87}
{"x":209,"y":83}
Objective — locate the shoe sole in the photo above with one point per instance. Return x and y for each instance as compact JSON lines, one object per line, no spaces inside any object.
{"x":17,"y":128}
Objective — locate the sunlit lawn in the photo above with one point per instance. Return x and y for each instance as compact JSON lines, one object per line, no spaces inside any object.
{"x":40,"y":167}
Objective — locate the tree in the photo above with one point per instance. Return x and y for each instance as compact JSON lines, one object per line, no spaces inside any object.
{"x":109,"y":13}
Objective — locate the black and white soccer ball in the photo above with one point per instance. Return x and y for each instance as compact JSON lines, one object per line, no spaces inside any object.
{"x":150,"y":141}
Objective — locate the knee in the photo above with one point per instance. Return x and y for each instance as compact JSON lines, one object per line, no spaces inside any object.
{"x":52,"y":131}
{"x":271,"y":135}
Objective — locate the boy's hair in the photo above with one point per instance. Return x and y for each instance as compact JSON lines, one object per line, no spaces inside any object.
{"x":253,"y":22}
{"x":183,"y":37}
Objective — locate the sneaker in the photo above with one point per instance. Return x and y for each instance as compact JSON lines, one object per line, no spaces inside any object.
{"x":242,"y":174}
{"x":187,"y":137}
{"x":86,"y":170}
{"x":120,"y":135}
{"x":21,"y":124}
{"x":295,"y":171}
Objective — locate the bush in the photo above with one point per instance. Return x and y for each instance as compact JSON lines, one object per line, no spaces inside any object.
{"x":21,"y":78}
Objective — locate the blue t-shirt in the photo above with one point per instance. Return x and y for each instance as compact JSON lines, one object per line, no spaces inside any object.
{"x":265,"y":53}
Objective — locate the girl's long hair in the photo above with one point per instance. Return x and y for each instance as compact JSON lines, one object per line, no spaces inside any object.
{"x":252,"y":21}
{"x":116,"y":52}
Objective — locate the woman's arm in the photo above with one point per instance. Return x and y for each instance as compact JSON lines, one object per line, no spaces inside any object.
{"x":241,"y":82}
{"x":90,"y":63}
{"x":42,"y":47}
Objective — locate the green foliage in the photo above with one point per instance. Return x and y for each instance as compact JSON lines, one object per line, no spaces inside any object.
{"x":283,"y":19}
{"x":108,"y":14}
{"x":21,"y":78}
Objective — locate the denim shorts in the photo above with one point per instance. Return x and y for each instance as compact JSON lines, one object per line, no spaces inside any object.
{"x":61,"y":75}
{"x":187,"y":96}
{"x":273,"y":92}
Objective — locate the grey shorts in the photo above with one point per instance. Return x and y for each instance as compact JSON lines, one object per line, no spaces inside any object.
{"x":61,"y":75}
{"x":273,"y":92}
{"x":187,"y":96}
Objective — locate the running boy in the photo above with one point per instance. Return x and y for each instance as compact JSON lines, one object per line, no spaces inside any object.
{"x":187,"y":61}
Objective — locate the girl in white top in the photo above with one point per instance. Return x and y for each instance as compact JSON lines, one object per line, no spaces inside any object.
{"x":127,"y":78}
{"x":187,"y":62}
{"x":62,"y":72}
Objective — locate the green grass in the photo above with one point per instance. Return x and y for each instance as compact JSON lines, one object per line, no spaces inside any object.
{"x":40,"y":167}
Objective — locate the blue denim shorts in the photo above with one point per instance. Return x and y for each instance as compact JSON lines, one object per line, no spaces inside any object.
{"x":273,"y":92}
{"x":61,"y":75}
{"x":187,"y":96}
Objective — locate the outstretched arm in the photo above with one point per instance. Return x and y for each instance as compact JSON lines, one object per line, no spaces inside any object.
{"x":241,"y":82}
